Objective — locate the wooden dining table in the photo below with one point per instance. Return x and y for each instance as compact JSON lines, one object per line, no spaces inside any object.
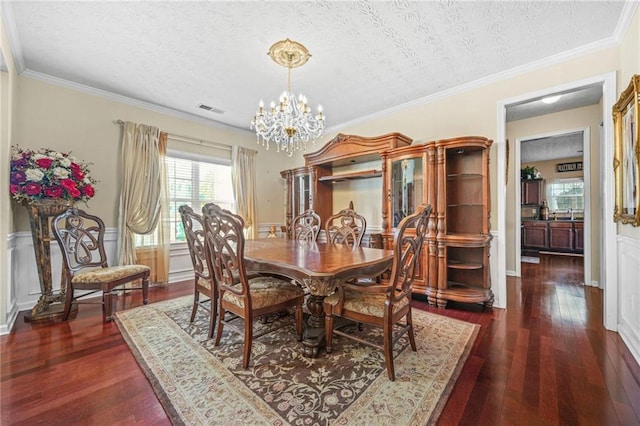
{"x":320,"y":268}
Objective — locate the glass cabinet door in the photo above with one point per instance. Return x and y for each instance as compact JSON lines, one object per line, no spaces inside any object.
{"x":406,"y":188}
{"x":301,"y":194}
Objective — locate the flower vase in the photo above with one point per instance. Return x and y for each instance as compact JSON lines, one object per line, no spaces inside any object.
{"x":50,"y":306}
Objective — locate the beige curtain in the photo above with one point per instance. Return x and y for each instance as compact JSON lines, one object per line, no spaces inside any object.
{"x":144,"y":199}
{"x":243,"y":175}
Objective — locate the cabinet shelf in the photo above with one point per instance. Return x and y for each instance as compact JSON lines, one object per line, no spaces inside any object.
{"x":361,"y":174}
{"x":457,"y":264}
{"x":458,"y":176}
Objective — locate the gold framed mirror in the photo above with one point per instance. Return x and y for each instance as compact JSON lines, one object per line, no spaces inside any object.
{"x":626,"y":159}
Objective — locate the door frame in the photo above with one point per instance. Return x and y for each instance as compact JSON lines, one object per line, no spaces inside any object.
{"x":609,"y":276}
{"x":586,"y":160}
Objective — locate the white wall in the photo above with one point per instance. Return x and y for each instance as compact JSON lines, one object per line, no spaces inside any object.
{"x":8,"y":100}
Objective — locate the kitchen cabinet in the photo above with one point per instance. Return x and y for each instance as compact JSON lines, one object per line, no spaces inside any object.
{"x":558,"y":236}
{"x":578,"y":237}
{"x":534,"y":235}
{"x":531,"y":191}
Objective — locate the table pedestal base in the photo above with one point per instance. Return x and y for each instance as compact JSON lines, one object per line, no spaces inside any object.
{"x":313,"y":337}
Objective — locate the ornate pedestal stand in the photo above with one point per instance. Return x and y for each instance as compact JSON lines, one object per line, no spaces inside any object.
{"x":50,"y":306}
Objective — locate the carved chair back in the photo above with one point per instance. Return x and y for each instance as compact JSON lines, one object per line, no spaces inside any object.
{"x":346,"y":227}
{"x":306,"y":226}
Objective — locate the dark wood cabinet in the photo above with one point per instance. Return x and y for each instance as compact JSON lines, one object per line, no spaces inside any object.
{"x":534,"y":235}
{"x":578,"y":237}
{"x":531,"y":191}
{"x":561,"y":236}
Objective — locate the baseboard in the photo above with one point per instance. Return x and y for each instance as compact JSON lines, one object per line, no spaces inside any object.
{"x":557,"y":253}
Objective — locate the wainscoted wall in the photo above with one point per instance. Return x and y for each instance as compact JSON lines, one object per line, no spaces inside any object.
{"x":12,"y":307}
{"x":24,"y":284}
{"x":629,"y":293}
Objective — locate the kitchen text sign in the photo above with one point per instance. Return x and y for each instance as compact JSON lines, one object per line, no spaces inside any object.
{"x":569,"y":167}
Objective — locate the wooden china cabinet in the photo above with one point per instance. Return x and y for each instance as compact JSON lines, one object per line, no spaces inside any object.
{"x":305,"y":191}
{"x":452,"y":175}
{"x":409,"y":180}
{"x":463,"y":229}
{"x":312,"y":186}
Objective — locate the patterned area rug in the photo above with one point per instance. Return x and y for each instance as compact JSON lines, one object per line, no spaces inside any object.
{"x":198,"y":383}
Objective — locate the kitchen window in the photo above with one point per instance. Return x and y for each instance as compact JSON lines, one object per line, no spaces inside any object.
{"x":565,"y":195}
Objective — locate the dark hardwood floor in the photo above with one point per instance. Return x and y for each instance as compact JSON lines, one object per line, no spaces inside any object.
{"x":545,"y":360}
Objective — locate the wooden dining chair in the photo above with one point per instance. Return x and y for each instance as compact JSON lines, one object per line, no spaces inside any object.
{"x":306,"y":226}
{"x":383,"y":305}
{"x":246,"y":298}
{"x":346,"y":227}
{"x":85,"y":267}
{"x":203,"y":281}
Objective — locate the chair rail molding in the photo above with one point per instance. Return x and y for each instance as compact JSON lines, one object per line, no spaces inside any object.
{"x":629,"y":291}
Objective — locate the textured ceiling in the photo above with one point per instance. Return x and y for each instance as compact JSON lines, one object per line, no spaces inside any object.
{"x":552,"y":148}
{"x":367,"y":57}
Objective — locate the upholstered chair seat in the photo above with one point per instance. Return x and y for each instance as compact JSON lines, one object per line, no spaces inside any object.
{"x":386,"y":305}
{"x":241,"y":294}
{"x":106,"y":275}
{"x":265,"y":291}
{"x":81,"y":239}
{"x":371,"y":304}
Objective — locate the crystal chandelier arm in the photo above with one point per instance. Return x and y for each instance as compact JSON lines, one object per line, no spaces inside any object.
{"x":291,"y":124}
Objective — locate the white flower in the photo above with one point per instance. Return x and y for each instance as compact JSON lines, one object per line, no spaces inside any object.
{"x":16,"y":156}
{"x":58,"y":155}
{"x":61,"y":173}
{"x":86,"y":181}
{"x":65,"y":162}
{"x":37,"y":157}
{"x":34,"y":175}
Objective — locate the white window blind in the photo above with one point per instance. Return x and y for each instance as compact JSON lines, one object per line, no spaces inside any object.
{"x":565,"y":194}
{"x":196,"y":183}
{"x":194,"y":180}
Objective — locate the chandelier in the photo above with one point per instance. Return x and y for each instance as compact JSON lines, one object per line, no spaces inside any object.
{"x":290,"y":124}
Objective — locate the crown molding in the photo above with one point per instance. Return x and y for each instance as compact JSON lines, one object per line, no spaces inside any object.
{"x":126,"y":100}
{"x":626,"y":17}
{"x":12,"y":33}
{"x":500,"y":76}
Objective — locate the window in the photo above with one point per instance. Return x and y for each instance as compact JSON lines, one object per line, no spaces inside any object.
{"x":195,"y":181}
{"x":565,"y":194}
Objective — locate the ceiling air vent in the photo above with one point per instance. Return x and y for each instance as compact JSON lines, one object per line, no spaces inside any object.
{"x":210,"y":109}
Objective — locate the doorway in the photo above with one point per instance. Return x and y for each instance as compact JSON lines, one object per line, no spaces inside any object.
{"x":546,"y":151}
{"x":608,"y":275}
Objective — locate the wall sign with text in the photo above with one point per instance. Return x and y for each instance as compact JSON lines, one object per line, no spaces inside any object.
{"x":576,"y":166}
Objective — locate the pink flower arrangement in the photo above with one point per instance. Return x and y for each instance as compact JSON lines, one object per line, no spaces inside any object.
{"x":49,"y":174}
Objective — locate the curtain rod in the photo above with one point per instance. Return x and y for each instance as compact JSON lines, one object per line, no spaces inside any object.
{"x":191,"y":140}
